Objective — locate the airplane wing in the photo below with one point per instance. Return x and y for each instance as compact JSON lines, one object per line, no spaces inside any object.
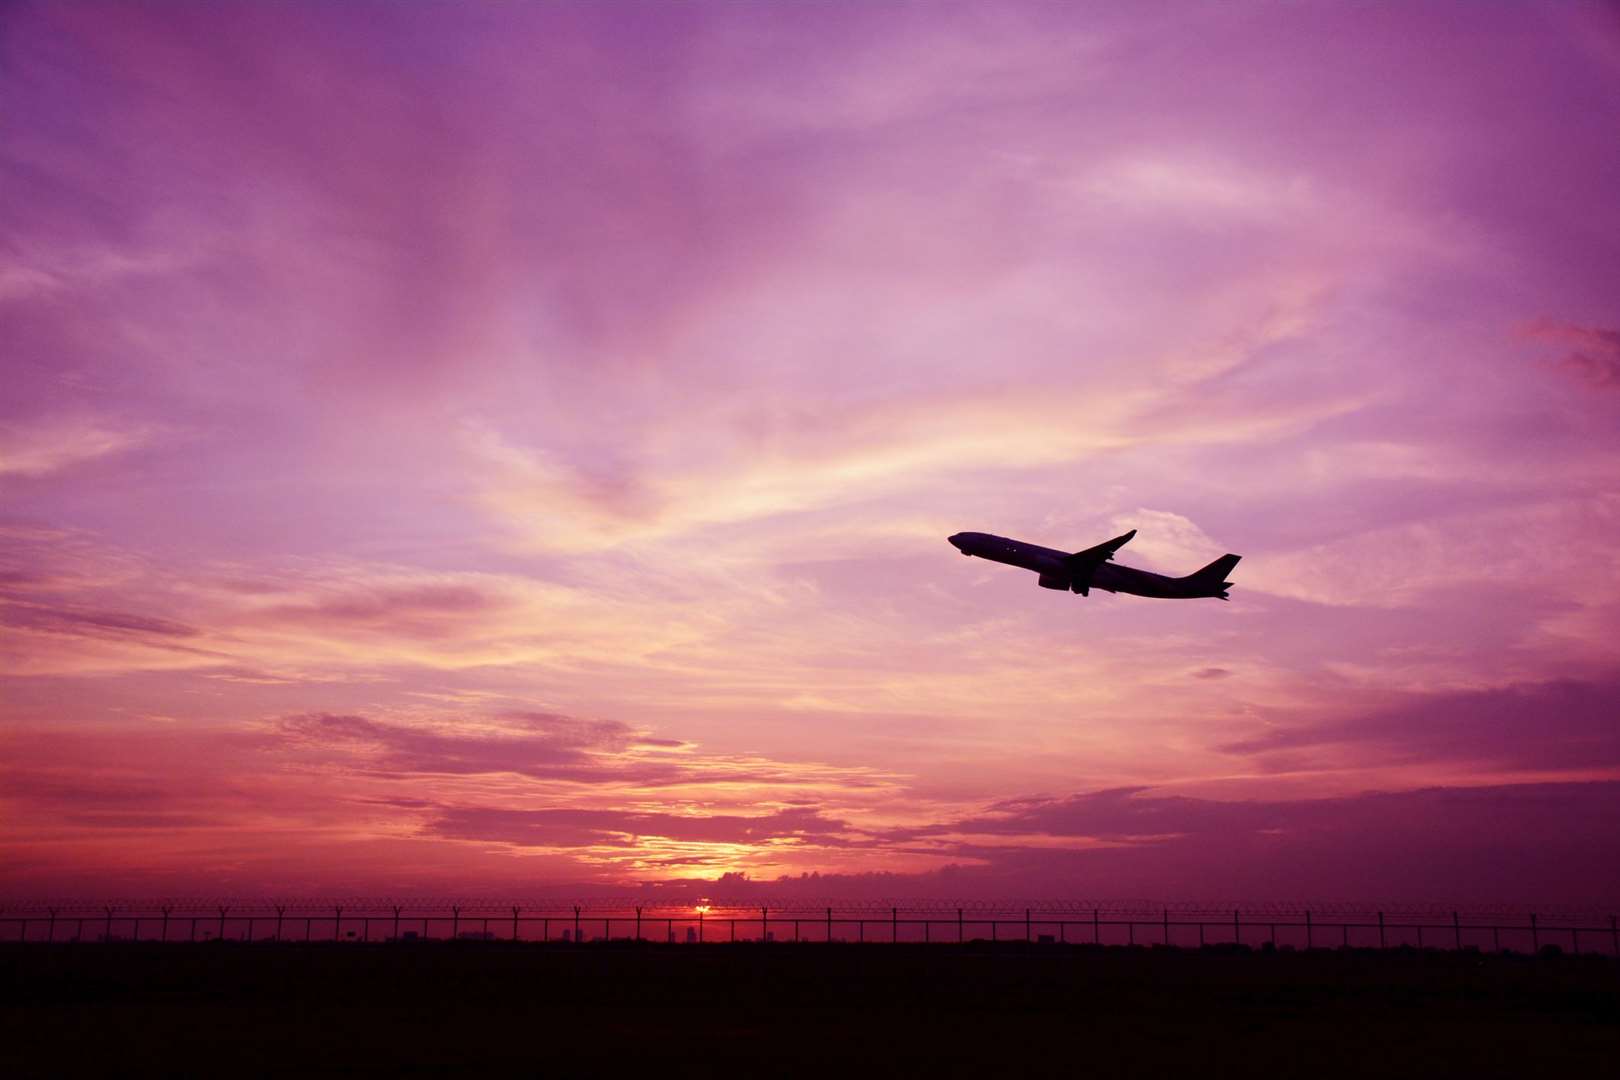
{"x":1083,"y":564}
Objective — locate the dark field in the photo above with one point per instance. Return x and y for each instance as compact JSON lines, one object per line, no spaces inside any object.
{"x":762,"y":1010}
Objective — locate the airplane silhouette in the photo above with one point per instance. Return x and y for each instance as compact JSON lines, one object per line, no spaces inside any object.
{"x":1094,"y":568}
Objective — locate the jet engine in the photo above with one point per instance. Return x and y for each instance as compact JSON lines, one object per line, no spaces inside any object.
{"x":1053,"y":581}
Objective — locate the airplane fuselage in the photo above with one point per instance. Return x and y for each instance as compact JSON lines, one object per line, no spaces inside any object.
{"x":1054,"y":571}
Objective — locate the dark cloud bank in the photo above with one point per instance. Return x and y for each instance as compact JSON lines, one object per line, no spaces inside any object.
{"x":1548,"y":726}
{"x":1531,"y":842}
{"x":1500,"y":844}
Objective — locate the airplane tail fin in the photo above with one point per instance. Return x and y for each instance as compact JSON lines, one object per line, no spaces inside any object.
{"x":1213,"y":576}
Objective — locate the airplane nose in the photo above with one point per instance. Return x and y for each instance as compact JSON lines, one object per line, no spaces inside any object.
{"x":955,"y":540}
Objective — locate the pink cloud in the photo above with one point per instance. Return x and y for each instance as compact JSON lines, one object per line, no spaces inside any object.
{"x":1542,"y":726}
{"x":430,"y":383}
{"x":1595,"y":356}
{"x":113,"y":623}
{"x":566,"y":828}
{"x":556,"y":747}
{"x":51,"y":445}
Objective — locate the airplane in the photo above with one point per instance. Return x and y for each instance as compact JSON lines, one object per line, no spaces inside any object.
{"x":1094,"y":568}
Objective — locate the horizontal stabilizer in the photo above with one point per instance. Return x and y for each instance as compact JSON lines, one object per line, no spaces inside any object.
{"x":1211,"y":580}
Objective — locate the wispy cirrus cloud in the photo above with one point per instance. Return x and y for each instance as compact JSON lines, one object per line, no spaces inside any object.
{"x":1509,"y":542}
{"x":48,"y":619}
{"x":69,"y":594}
{"x":574,"y":828}
{"x":32,"y":449}
{"x":536,"y":745}
{"x":544,"y":746}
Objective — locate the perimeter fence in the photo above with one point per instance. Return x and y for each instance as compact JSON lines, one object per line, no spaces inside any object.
{"x":605,"y":920}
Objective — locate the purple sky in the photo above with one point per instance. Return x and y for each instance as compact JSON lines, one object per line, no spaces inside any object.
{"x":466,"y":446}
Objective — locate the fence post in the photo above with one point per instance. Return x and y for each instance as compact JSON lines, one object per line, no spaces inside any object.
{"x":638,"y":923}
{"x":1535,"y":935}
{"x":700,"y":927}
{"x":107,"y":937}
{"x":193,"y":928}
{"x":165,"y":935}
{"x":576,"y":924}
{"x":1167,"y":926}
{"x":455,"y":921}
{"x":515,"y":910}
{"x":1237,"y":932}
{"x":280,"y":911}
{"x":1456,"y":931}
{"x":1027,"y":938}
{"x":894,"y":926}
{"x":337,"y":923}
{"x":829,"y":925}
{"x":1380,"y":929}
{"x":960,"y":939}
{"x":50,"y":931}
{"x":396,"y":908}
{"x":764,"y":924}
{"x":1308,"y":931}
{"x":222,"y":911}
{"x":1096,"y":927}
{"x":1614,"y":934}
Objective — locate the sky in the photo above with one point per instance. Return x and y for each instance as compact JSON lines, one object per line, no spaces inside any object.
{"x":481,"y":449}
